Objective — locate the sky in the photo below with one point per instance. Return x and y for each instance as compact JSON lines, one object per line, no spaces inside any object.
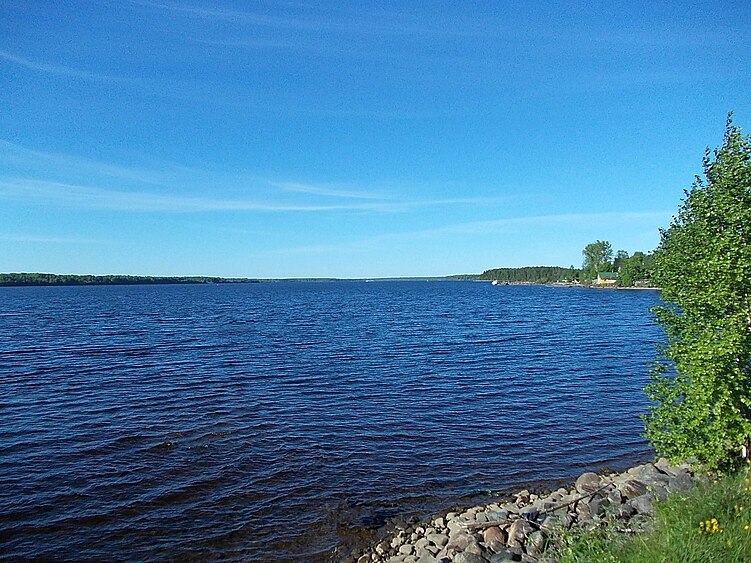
{"x":354,"y":139}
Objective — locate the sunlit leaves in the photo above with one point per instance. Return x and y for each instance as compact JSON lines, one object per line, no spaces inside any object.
{"x":700,"y":388}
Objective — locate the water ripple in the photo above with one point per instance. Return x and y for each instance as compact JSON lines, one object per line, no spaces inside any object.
{"x":263,"y":421}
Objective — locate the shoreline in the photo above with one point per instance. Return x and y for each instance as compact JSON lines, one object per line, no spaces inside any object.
{"x":522,"y":527}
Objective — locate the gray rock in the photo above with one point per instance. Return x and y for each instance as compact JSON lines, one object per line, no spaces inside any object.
{"x":426,"y":558}
{"x":648,"y":474}
{"x":498,"y":515}
{"x":406,"y":549}
{"x":481,"y":517}
{"x":511,"y":508}
{"x":660,"y":491}
{"x":588,"y":483}
{"x":466,"y":557}
{"x":475,"y":547}
{"x":633,"y":488}
{"x":680,"y":482}
{"x":643,"y":504}
{"x":458,"y":542}
{"x":439,"y":522}
{"x":673,"y":470}
{"x":509,"y":554}
{"x":438,"y":539}
{"x":455,"y":527}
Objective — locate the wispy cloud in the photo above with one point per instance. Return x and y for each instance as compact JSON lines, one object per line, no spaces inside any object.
{"x":52,"y":178}
{"x":381,"y":23}
{"x":325,"y":190}
{"x":543,"y":221}
{"x":478,"y":227}
{"x":83,"y":165}
{"x":59,"y":193}
{"x":50,"y":240}
{"x":59,"y":70}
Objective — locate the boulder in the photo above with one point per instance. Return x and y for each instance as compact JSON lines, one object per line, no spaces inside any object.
{"x":437,"y":539}
{"x":680,"y":482}
{"x":481,"y":517}
{"x":498,"y":515}
{"x":466,"y":557}
{"x":633,"y":488}
{"x":454,"y":527}
{"x":460,"y":542}
{"x":643,"y":504}
{"x":648,"y":474}
{"x":508,"y":554}
{"x":588,"y":483}
{"x":406,"y":549}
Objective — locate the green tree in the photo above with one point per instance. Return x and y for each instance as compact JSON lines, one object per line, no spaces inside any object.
{"x":597,"y":257}
{"x":701,"y":386}
{"x":632,"y":269}
{"x":620,"y":257}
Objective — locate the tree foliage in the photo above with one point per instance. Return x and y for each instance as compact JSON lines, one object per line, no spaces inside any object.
{"x":531,"y":274}
{"x":23,"y":279}
{"x":635,"y":268}
{"x":597,"y":257}
{"x":701,"y":386}
{"x":620,"y":257}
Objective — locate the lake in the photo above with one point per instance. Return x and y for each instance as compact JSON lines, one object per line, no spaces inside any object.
{"x":271,"y":421}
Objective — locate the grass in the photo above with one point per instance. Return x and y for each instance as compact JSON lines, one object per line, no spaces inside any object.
{"x":711,"y":523}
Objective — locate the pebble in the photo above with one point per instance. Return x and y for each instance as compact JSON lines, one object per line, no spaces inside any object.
{"x":519,"y":529}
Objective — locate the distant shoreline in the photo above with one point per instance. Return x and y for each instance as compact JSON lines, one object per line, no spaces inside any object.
{"x":61,"y":280}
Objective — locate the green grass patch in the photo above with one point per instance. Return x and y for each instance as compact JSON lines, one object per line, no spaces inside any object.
{"x":711,"y":523}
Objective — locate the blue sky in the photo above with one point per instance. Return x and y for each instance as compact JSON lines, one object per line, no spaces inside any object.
{"x":353,"y":139}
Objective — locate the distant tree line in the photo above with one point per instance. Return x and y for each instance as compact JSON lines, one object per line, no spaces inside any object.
{"x":532,"y":274}
{"x":22,"y":279}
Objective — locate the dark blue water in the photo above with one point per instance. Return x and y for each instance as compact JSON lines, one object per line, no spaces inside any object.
{"x":266,"y":422}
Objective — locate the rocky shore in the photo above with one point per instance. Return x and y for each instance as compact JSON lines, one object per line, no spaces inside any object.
{"x":522,"y":528}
